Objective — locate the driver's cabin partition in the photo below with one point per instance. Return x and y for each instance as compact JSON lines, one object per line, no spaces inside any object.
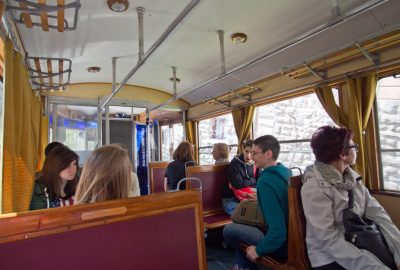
{"x":163,"y":231}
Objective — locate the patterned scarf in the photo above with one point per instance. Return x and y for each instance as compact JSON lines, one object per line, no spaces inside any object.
{"x":347,"y":181}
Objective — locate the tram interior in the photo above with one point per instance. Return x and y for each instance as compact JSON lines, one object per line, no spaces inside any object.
{"x":151,"y":74}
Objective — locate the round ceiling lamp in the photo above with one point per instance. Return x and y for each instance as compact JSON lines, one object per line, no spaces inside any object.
{"x":238,"y":38}
{"x":93,"y":69}
{"x":118,"y":5}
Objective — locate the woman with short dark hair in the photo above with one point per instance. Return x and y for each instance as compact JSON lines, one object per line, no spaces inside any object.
{"x":325,"y":191}
{"x":55,"y":186}
{"x":176,"y":170}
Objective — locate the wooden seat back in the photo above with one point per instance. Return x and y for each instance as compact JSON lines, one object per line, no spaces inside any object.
{"x":297,"y":256}
{"x":213,"y":179}
{"x":162,"y":231}
{"x":157,"y":174}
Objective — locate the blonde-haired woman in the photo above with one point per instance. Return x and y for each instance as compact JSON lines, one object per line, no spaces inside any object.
{"x":220,"y":153}
{"x":106,"y":175}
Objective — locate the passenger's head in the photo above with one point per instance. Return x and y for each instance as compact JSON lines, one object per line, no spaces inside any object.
{"x":184,"y":152}
{"x":220,"y":151}
{"x":51,"y":146}
{"x":247,"y":145}
{"x":331,"y":143}
{"x":265,"y":151}
{"x":106,"y":175}
{"x":60,"y":165}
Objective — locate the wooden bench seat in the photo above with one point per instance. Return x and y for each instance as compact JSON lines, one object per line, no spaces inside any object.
{"x":157,"y":174}
{"x":297,"y":249}
{"x":162,"y":231}
{"x":213,"y":179}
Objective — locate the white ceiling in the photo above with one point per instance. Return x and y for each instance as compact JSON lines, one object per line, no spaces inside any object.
{"x":193,"y":47}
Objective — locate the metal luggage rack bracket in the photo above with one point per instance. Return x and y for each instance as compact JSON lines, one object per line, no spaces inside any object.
{"x":25,"y":9}
{"x":43,"y":76}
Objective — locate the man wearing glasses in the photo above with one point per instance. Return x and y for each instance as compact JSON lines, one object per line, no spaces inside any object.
{"x":272,"y":197}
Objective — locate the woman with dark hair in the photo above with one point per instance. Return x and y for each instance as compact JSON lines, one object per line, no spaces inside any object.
{"x":56,"y":185}
{"x":176,"y":170}
{"x":242,"y":173}
{"x":325,"y":195}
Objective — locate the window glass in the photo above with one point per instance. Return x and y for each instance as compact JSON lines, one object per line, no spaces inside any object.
{"x":76,"y":128}
{"x":216,"y":130}
{"x":388,"y":100}
{"x":171,"y":137}
{"x":292,"y":122}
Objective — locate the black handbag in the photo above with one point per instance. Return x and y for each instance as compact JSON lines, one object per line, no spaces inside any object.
{"x":365,"y":234}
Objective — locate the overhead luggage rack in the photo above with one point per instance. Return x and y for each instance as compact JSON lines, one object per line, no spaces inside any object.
{"x":49,"y":74}
{"x":43,"y":15}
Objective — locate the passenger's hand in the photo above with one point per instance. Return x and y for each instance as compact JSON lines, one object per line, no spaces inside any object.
{"x":251,"y":253}
{"x":252,"y":197}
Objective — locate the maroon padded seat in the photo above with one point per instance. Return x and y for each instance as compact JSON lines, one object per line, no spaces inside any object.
{"x":213,"y":179}
{"x":157,"y":174}
{"x":168,"y":238}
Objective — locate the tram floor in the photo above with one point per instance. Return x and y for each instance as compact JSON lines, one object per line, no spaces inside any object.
{"x":218,"y":257}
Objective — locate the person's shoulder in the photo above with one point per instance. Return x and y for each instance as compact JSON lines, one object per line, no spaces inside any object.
{"x":38,"y":187}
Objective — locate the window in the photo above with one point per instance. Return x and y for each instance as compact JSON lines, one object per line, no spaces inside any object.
{"x":76,"y":128}
{"x":388,"y":101}
{"x":171,"y":137}
{"x":292,"y":122}
{"x":216,"y":130}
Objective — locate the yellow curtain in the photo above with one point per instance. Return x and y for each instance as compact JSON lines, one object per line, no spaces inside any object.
{"x":361,"y":92}
{"x":23,"y":134}
{"x":325,"y":96}
{"x":191,"y":136}
{"x":360,"y":95}
{"x":242,"y":120}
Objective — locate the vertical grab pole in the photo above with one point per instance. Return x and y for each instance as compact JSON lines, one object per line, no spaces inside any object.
{"x":148,"y":154}
{"x":99,"y":126}
{"x":222,"y":50}
{"x":140,"y":12}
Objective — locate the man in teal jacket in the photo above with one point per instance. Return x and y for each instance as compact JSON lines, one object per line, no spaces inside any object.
{"x":272,"y":197}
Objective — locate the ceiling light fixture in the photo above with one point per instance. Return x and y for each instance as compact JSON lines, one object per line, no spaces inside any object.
{"x":238,"y":38}
{"x":118,"y":5}
{"x":93,"y":69}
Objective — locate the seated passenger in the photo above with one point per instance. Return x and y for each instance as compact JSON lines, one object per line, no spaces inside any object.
{"x":272,"y":196}
{"x":241,"y":173}
{"x":50,"y":147}
{"x":106,"y":175}
{"x":220,"y":153}
{"x":324,"y":195}
{"x":55,"y":185}
{"x":176,"y":170}
{"x":135,"y":191}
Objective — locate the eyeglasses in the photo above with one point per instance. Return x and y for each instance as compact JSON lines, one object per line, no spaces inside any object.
{"x":355,"y":146}
{"x":255,"y":153}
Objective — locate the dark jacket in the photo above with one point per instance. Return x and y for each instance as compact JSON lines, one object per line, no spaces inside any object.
{"x":176,"y":170}
{"x":39,"y":199}
{"x":240,"y":175}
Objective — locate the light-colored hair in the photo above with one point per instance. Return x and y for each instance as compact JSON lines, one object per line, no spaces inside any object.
{"x":106,"y":175}
{"x":222,"y":149}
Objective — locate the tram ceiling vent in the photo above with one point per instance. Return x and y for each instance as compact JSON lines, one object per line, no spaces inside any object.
{"x":63,"y":17}
{"x":49,"y":74}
